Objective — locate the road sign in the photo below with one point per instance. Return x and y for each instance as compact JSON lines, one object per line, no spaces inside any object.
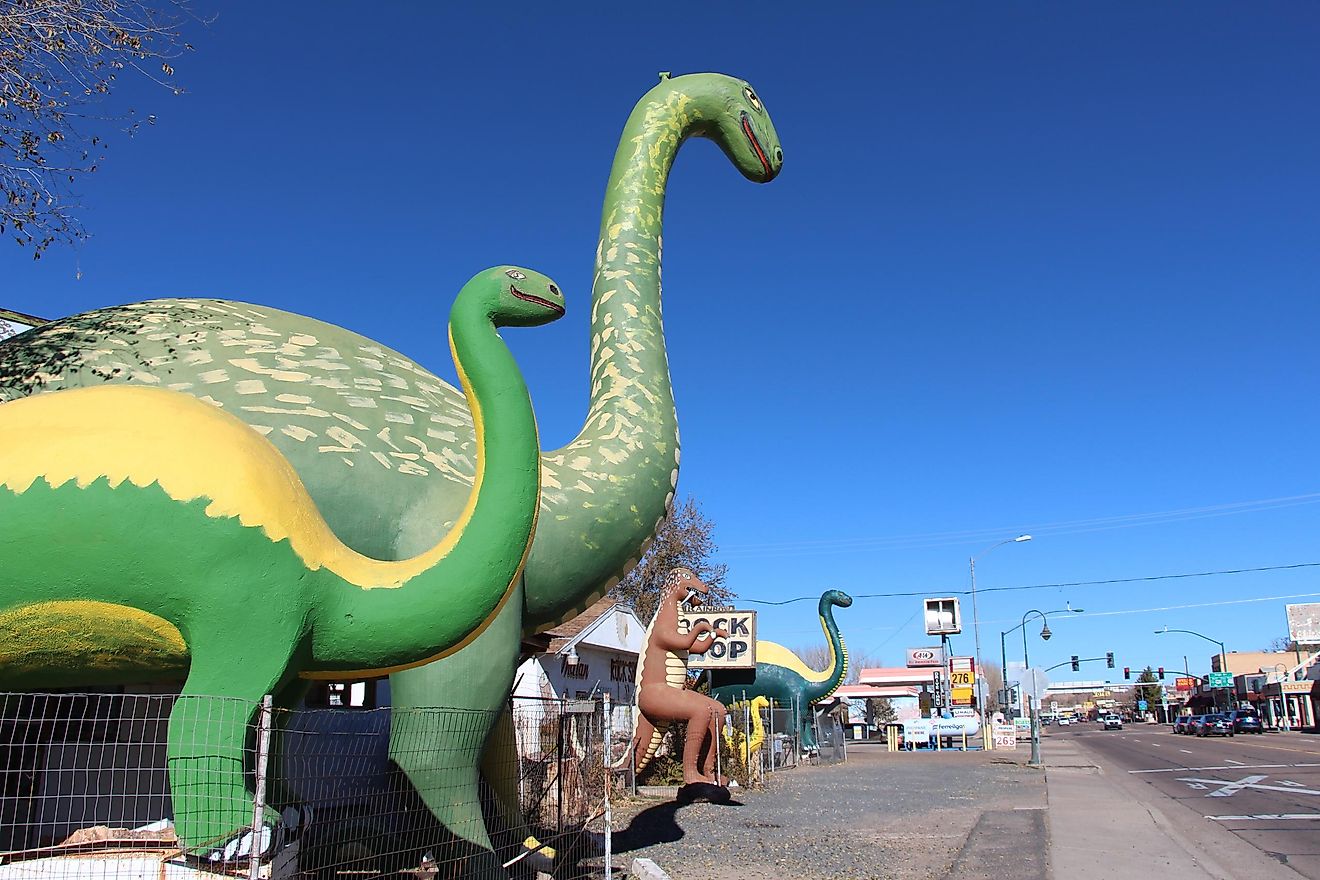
{"x":1221,"y":679}
{"x":1142,"y":705}
{"x":1034,"y":682}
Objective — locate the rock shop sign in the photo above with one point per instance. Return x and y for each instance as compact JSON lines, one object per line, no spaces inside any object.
{"x":738,"y":651}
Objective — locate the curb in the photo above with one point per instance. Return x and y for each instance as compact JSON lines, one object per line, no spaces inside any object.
{"x":645,"y":869}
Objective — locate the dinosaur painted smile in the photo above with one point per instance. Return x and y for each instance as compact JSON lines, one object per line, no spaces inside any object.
{"x":756,"y":145}
{"x":554,"y":307}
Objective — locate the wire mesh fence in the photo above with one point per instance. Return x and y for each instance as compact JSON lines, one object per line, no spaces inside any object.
{"x":117,"y":785}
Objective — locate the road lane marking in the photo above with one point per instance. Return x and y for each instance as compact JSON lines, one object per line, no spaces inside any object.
{"x":1185,"y":751}
{"x":1225,"y":767}
{"x":1231,"y":761}
{"x":1225,"y":789}
{"x":1268,"y":817}
{"x":1228,"y":789}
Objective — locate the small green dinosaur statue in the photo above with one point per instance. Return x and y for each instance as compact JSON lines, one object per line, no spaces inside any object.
{"x":783,"y":677}
{"x":147,"y":532}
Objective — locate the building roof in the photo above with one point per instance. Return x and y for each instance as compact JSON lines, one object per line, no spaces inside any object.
{"x":11,"y":315}
{"x":571,"y":631}
{"x":897,"y":675}
{"x":865,"y":691}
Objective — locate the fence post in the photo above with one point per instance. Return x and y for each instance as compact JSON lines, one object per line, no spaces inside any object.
{"x":608,"y":754}
{"x":259,"y":801}
{"x":559,"y":767}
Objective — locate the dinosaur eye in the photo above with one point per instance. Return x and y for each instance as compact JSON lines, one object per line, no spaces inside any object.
{"x":515,"y":275}
{"x":554,"y":290}
{"x":752,"y":99}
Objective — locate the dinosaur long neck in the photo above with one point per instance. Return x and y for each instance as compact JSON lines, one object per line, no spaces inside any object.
{"x":627,"y":452}
{"x":838,"y":656}
{"x":473,"y":569}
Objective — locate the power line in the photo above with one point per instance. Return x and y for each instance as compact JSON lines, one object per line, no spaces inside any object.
{"x":1129,"y":580}
{"x":1064,"y":527}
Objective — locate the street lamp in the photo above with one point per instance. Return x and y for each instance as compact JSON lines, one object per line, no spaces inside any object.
{"x":1044,"y":634}
{"x":1223,"y":654}
{"x":976,"y":628}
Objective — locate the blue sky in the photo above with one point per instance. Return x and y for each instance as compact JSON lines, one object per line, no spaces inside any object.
{"x":1027,"y":267}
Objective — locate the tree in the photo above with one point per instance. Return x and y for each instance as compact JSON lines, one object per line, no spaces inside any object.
{"x":1148,"y":688}
{"x":880,"y":711}
{"x":994,"y":682}
{"x":686,"y":539}
{"x":1282,"y":643}
{"x":59,"y":60}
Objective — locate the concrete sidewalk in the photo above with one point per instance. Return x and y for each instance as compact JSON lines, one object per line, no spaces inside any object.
{"x":1103,"y":824}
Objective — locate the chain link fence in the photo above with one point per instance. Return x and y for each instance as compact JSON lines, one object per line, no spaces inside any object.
{"x":85,"y":788}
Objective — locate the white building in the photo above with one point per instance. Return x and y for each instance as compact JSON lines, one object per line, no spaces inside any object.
{"x":593,"y":654}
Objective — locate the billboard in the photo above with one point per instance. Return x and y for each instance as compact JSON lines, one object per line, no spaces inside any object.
{"x":942,"y":617}
{"x":1304,"y":623}
{"x":737,"y":651}
{"x":1184,"y":684}
{"x":918,"y":658}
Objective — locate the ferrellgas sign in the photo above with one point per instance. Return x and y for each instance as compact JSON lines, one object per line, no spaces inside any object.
{"x":922,"y":657}
{"x":738,"y":651}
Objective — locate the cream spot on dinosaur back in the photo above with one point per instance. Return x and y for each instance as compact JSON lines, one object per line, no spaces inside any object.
{"x":250,"y":386}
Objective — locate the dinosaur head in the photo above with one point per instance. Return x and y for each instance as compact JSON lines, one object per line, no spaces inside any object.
{"x":682,"y":586}
{"x":837,"y":597}
{"x":732,"y":115}
{"x":516,"y":297}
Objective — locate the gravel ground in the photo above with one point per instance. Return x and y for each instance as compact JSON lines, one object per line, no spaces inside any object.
{"x":880,"y":815}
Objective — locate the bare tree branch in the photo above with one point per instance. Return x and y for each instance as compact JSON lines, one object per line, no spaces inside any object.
{"x":59,"y":59}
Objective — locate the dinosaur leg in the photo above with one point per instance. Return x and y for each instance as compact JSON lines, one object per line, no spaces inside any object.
{"x":208,"y":736}
{"x":715,"y":726}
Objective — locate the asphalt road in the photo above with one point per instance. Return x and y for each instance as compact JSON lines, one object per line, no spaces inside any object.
{"x":1263,"y":788}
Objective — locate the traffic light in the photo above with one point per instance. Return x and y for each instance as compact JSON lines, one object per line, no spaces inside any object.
{"x":1127,"y":672}
{"x":1161,"y":673}
{"x":1109,"y":659}
{"x":1077,"y":664}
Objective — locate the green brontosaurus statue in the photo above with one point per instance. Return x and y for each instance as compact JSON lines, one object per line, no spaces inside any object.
{"x":145,"y":532}
{"x":782,"y":676}
{"x":606,"y":490}
{"x":386,"y":449}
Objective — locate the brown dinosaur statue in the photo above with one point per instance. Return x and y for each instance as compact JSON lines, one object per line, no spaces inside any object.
{"x":662,"y":693}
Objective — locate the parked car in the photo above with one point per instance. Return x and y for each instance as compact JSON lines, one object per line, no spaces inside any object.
{"x":1246,"y":721}
{"x":1217,"y":724}
{"x":1113,"y":722}
{"x":1064,"y":721}
{"x":1181,"y":723}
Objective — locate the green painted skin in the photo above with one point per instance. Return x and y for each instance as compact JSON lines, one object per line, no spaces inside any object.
{"x":781,"y":684}
{"x":386,"y":448}
{"x":251,"y":612}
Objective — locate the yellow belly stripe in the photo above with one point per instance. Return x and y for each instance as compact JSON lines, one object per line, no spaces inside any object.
{"x":191,"y":450}
{"x":101,"y":635}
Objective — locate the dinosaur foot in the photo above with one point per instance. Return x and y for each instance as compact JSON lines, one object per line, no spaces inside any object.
{"x":277,"y":830}
{"x":703,"y":792}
